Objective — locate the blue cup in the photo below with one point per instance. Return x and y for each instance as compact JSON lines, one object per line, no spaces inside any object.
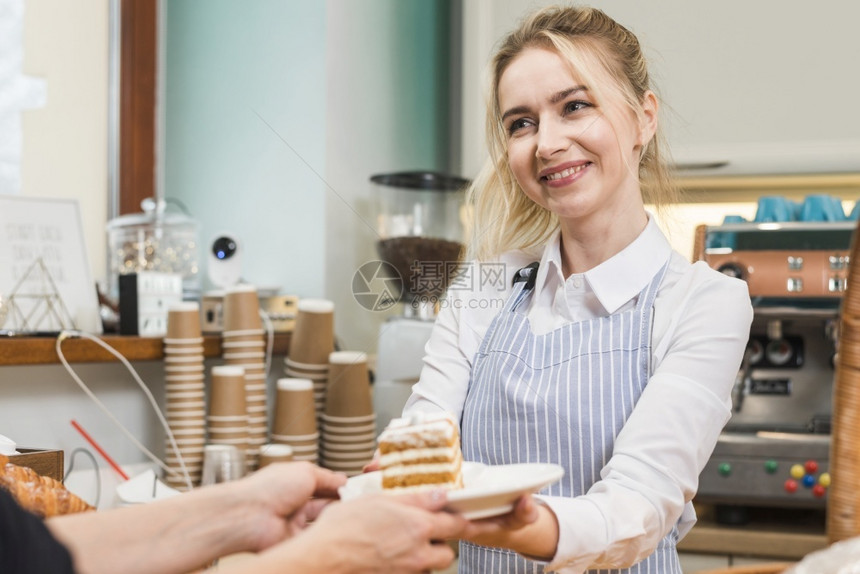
{"x":821,"y":208}
{"x":774,"y":208}
{"x":855,"y":213}
{"x":724,"y":239}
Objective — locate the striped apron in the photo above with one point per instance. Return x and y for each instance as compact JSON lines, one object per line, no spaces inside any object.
{"x":560,"y":397}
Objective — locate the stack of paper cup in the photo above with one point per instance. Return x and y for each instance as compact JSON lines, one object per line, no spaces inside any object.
{"x":317,"y":374}
{"x":310,"y":345}
{"x":273,"y":452}
{"x":295,"y":421}
{"x":185,"y":394}
{"x":348,"y":423}
{"x":227,"y":421}
{"x":244,"y":345}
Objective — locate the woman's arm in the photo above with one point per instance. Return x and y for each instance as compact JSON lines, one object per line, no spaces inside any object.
{"x":190,"y":530}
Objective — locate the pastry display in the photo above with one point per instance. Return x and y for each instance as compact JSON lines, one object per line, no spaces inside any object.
{"x":421,"y":451}
{"x":41,"y":495}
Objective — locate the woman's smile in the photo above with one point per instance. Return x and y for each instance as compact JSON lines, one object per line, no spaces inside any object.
{"x":564,"y":174}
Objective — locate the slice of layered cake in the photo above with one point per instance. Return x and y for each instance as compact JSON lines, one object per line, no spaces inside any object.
{"x":421,"y":451}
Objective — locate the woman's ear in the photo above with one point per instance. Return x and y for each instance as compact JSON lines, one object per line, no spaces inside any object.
{"x":648,"y":119}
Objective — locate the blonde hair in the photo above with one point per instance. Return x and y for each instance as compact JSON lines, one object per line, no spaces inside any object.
{"x":504,"y":218}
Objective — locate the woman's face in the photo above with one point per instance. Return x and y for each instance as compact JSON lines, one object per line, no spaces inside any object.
{"x":570,"y":155}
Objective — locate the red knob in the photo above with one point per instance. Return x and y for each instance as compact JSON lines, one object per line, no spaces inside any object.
{"x":810,"y":466}
{"x":818,"y":490}
{"x":790,"y":486}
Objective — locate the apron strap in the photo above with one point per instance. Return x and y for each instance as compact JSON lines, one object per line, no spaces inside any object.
{"x":523,"y":283}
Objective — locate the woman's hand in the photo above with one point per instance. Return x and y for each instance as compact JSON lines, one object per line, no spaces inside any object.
{"x":482,"y":531}
{"x":530,"y":529}
{"x":373,"y":464}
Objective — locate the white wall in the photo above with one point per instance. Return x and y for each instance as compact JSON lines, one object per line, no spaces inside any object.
{"x":386,"y":111}
{"x":65,"y":142}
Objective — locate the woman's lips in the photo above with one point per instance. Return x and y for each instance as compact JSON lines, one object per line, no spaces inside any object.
{"x":563,"y":175}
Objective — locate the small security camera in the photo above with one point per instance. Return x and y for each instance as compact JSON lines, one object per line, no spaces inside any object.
{"x":225,"y":260}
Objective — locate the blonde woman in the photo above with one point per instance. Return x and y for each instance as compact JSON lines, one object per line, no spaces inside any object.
{"x":602,"y":350}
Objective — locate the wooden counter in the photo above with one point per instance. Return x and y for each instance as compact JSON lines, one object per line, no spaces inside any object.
{"x":783,"y":534}
{"x":41,"y":350}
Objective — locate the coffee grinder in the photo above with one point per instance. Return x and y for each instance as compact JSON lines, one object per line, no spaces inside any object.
{"x":420,"y":240}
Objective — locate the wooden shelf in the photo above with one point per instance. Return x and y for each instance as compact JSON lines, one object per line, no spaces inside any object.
{"x":41,"y":350}
{"x":801,"y":182}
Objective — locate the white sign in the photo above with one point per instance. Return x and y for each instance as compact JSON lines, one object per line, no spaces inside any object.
{"x":45,"y":280}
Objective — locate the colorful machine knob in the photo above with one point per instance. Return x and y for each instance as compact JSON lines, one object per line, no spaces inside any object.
{"x":797,"y":471}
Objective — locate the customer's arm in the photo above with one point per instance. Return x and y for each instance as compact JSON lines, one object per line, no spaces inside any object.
{"x":188,"y":531}
{"x":382,"y":533}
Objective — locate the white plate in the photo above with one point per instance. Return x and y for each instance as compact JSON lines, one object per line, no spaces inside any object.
{"x":487,"y":490}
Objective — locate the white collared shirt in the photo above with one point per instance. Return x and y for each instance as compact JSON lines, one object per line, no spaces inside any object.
{"x":699,"y":333}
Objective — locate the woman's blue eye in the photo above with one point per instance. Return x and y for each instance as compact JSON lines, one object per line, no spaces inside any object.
{"x":517,"y":124}
{"x":575,"y":106}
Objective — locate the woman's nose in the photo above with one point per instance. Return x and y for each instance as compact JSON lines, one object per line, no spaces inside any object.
{"x":551,"y":139}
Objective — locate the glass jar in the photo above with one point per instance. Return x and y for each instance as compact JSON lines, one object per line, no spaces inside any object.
{"x":154,"y":241}
{"x":420,"y":233}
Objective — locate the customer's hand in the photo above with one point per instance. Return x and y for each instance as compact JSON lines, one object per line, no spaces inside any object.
{"x":384,"y":533}
{"x":282,"y":498}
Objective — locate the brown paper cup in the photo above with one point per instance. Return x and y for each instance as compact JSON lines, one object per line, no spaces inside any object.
{"x":313,"y":334}
{"x":348,"y":439}
{"x":359,"y":428}
{"x":183,"y":321}
{"x":242,"y":309}
{"x":348,"y":389}
{"x":227,"y":392}
{"x":171,"y":350}
{"x":273,"y":452}
{"x":294,"y":408}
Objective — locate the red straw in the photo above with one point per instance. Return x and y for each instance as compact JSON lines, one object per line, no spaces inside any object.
{"x":101,"y":451}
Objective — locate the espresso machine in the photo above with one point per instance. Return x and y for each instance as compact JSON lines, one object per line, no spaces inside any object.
{"x":420,"y":240}
{"x":774,"y":451}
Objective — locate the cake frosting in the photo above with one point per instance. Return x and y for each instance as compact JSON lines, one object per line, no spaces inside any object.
{"x":421,"y":451}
